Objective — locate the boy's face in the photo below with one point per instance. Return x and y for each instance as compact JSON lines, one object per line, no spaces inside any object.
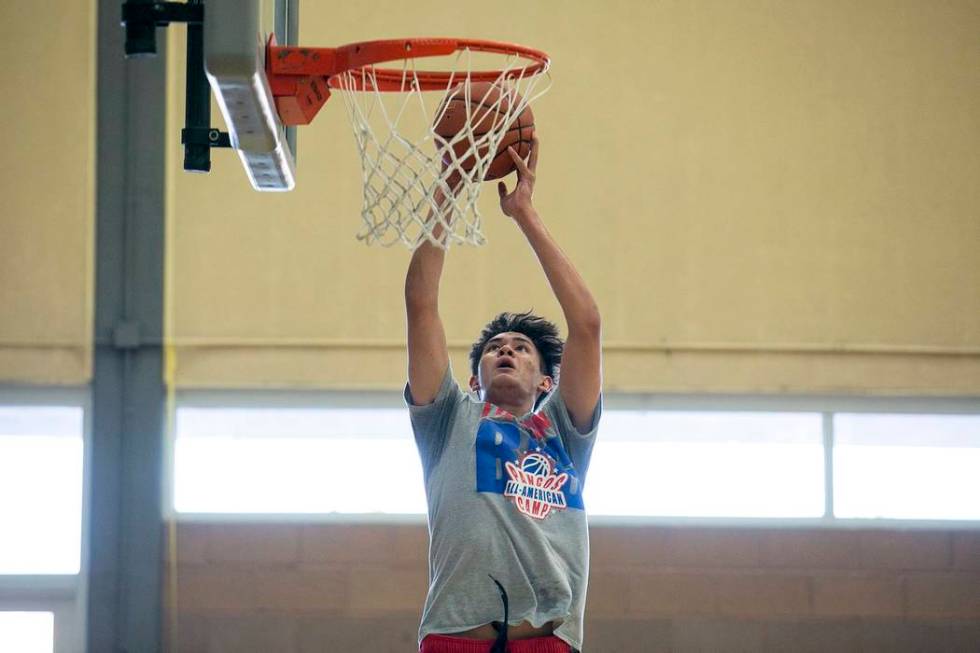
{"x":510,"y":370}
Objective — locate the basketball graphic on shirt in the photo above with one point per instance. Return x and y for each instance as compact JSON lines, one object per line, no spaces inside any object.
{"x":534,"y":487}
{"x":536,"y":464}
{"x":541,"y":473}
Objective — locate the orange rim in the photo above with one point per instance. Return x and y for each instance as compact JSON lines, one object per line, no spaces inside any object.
{"x":354,"y":57}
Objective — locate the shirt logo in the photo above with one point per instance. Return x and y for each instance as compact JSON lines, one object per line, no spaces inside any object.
{"x":534,"y":487}
{"x":515,"y":458}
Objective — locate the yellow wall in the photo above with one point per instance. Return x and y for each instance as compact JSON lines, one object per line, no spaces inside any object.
{"x":764,"y":196}
{"x":47,"y":168}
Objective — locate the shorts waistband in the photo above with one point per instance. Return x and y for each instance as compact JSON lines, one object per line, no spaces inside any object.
{"x":447,"y":644}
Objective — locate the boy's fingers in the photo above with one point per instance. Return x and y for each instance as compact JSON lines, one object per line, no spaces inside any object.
{"x":533,"y":159}
{"x":522,"y":168}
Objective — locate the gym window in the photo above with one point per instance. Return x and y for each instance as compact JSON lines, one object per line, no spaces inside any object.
{"x":907,"y":466}
{"x":27,"y":632}
{"x":42,"y":489}
{"x":707,"y":464}
{"x":296,"y":460}
{"x":770,"y":460}
{"x":41,"y":468}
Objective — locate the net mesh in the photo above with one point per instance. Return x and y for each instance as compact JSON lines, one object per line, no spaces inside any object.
{"x":420,"y":186}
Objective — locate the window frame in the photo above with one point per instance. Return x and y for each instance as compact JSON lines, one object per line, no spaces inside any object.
{"x":825,"y":405}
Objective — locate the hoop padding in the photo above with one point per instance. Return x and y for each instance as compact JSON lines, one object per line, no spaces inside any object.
{"x":419,"y":186}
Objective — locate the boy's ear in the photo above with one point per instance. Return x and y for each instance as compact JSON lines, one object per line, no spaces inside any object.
{"x":546,"y":384}
{"x":475,"y":384}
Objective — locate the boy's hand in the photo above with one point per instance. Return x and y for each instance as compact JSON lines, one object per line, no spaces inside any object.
{"x":517,"y":204}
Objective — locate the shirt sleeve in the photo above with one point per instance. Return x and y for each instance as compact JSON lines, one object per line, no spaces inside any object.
{"x":431,"y":422}
{"x":578,"y":444}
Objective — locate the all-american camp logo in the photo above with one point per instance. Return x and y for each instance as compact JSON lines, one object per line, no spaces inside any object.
{"x":525,"y":462}
{"x":534,"y":487}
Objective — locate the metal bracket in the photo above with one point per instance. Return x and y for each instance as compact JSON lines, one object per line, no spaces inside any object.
{"x":200,"y":136}
{"x":141,"y":20}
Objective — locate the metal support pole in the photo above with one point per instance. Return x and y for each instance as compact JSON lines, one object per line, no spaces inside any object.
{"x":828,"y":464}
{"x":125,"y":534}
{"x":287,"y":33}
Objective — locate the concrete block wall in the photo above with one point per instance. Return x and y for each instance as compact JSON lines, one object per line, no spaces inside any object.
{"x":317,"y":588}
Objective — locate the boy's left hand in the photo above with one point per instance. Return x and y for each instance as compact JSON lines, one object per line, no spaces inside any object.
{"x":517,"y":203}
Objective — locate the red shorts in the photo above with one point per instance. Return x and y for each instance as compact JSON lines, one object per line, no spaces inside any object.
{"x":446,"y":644}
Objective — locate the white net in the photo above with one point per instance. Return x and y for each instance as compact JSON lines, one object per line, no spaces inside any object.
{"x":419,"y":185}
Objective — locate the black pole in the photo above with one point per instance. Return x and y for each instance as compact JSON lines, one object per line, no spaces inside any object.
{"x":197,"y":103}
{"x":141,"y":28}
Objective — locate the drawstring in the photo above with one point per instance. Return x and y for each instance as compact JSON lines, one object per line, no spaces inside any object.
{"x":500,"y":644}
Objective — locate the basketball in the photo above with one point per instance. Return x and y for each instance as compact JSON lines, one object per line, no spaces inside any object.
{"x":536,"y":464}
{"x":483,"y":110}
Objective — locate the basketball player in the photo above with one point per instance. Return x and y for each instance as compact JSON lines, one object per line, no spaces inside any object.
{"x":509,"y":549}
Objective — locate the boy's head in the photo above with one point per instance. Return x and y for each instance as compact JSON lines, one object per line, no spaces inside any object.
{"x":517,"y":353}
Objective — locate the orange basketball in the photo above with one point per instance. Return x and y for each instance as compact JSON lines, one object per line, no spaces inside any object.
{"x":486,"y":110}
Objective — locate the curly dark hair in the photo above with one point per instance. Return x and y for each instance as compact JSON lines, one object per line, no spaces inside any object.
{"x":543,"y":334}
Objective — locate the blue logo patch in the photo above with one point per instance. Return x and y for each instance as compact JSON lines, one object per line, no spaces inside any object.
{"x":540,"y":475}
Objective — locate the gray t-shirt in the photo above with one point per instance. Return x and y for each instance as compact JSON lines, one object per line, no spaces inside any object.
{"x":505,"y":500}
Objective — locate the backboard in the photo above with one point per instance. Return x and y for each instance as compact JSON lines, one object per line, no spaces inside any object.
{"x":235,"y":36}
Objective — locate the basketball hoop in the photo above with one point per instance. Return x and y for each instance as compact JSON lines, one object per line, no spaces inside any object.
{"x":418,"y":185}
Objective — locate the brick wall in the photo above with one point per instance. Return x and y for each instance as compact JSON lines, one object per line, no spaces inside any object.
{"x":298,"y":588}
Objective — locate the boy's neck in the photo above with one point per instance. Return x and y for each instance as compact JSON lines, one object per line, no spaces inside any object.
{"x":517,"y":410}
